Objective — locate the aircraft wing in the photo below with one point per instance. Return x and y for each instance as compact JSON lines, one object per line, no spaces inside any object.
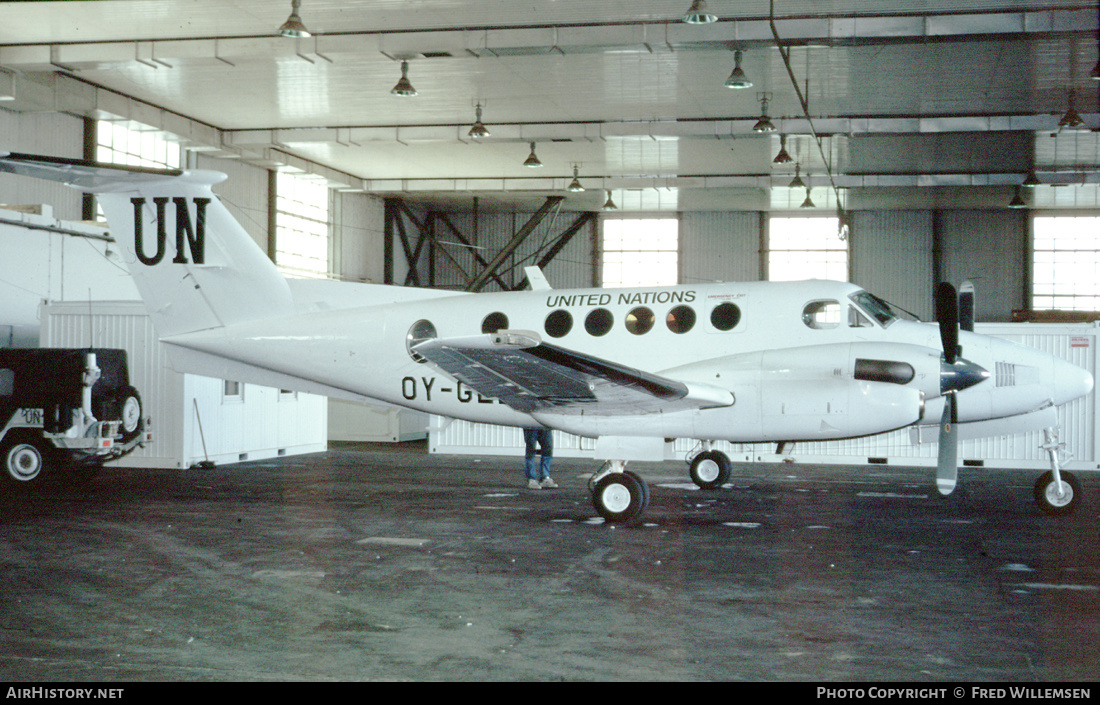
{"x":531,"y":376}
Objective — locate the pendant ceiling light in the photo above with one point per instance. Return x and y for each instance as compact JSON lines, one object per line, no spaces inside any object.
{"x":575,"y":184}
{"x":1032,"y":179}
{"x":1017,"y":200}
{"x":782,"y":157}
{"x":764,"y":124}
{"x":293,"y":27}
{"x":1095,"y":73}
{"x":807,"y":203}
{"x":737,"y":78}
{"x":478,"y":130}
{"x":404,"y":87}
{"x":532,"y":159}
{"x":698,"y":14}
{"x":609,"y":205}
{"x":797,"y":182}
{"x":1071,"y":118}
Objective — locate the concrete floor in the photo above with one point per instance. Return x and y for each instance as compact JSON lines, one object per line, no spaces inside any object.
{"x":384,"y":562}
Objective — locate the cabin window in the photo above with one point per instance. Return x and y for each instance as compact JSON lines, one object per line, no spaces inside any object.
{"x":419,"y":332}
{"x":559,"y":323}
{"x":820,"y":315}
{"x":599,"y":321}
{"x":493,"y":322}
{"x":232,"y":391}
{"x":7,"y":383}
{"x":725,"y":316}
{"x":640,"y":320}
{"x":680,"y":319}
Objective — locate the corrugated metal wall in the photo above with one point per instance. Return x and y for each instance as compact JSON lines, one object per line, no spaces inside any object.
{"x":263,"y":423}
{"x":51,"y":134}
{"x":990,"y":249}
{"x":892,"y":256}
{"x":719,"y":246}
{"x":1076,"y":343}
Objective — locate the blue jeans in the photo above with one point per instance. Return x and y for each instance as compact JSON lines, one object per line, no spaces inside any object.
{"x":542,"y":438}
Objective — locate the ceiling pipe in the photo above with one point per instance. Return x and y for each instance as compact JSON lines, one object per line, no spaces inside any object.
{"x":786,"y":54}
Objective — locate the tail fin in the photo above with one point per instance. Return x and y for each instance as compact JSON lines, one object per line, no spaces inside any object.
{"x":193,"y":263}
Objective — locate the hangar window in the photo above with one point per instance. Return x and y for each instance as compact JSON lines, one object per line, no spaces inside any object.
{"x":806,"y":248}
{"x":640,"y":320}
{"x":1066,"y":263}
{"x":131,"y":144}
{"x":680,"y":319}
{"x":301,"y":226}
{"x":821,"y":314}
{"x":640,"y":251}
{"x":598,"y":322}
{"x":559,"y":323}
{"x":493,"y":322}
{"x":725,"y":316}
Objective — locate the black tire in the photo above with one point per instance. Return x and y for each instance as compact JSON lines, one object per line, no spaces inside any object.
{"x":645,"y":489}
{"x":131,"y":413}
{"x":1046,"y":494}
{"x":25,"y":459}
{"x":710,"y":469}
{"x":619,"y":497}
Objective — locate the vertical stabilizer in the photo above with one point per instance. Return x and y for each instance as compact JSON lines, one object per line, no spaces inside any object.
{"x":193,"y":263}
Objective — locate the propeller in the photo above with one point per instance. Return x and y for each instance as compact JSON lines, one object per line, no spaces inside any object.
{"x":954,"y":310}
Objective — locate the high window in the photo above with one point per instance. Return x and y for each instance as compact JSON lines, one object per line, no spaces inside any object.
{"x":1066,"y":263}
{"x":118,"y":143}
{"x":301,"y":226}
{"x":640,"y":251}
{"x":806,"y":248}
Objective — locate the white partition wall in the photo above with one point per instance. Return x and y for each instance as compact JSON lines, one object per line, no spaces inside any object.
{"x":194,"y":418}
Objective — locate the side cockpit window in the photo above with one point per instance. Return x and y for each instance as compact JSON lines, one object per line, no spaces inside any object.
{"x":821,"y":315}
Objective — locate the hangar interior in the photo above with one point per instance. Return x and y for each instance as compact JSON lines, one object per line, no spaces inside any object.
{"x":450,"y":144}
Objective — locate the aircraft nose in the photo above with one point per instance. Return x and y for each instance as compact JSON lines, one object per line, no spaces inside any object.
{"x":1070,"y":382}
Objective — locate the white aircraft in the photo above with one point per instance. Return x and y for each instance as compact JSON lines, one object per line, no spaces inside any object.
{"x":741,"y":362}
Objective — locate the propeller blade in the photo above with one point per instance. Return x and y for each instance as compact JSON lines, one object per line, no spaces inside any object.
{"x":947,"y":463}
{"x":947,"y":315}
{"x":966,"y":306}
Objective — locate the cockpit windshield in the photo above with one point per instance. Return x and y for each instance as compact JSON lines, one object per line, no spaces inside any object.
{"x":875,"y":307}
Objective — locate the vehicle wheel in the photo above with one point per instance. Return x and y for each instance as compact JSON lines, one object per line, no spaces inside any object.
{"x":131,"y":413}
{"x":1046,"y":493}
{"x":24,"y":459}
{"x":710,"y":469}
{"x":619,"y":497}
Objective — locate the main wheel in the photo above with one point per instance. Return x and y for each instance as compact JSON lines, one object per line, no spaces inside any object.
{"x":619,"y":497}
{"x":1046,"y":493}
{"x":23,"y":458}
{"x":710,"y":469}
{"x":645,"y":489}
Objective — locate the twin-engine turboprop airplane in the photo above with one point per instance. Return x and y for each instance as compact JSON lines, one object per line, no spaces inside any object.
{"x":742,"y":362}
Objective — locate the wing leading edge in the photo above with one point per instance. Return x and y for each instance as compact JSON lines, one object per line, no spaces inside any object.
{"x":531,"y":376}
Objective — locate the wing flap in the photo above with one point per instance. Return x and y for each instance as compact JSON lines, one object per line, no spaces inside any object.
{"x":531,"y":376}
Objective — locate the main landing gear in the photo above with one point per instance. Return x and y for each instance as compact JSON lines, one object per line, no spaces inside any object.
{"x":619,"y":495}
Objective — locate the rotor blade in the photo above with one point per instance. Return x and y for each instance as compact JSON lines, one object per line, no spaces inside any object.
{"x":966,"y":306}
{"x":947,"y":315}
{"x":947,"y":464}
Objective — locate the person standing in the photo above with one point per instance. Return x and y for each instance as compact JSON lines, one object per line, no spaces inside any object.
{"x":538,"y":441}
